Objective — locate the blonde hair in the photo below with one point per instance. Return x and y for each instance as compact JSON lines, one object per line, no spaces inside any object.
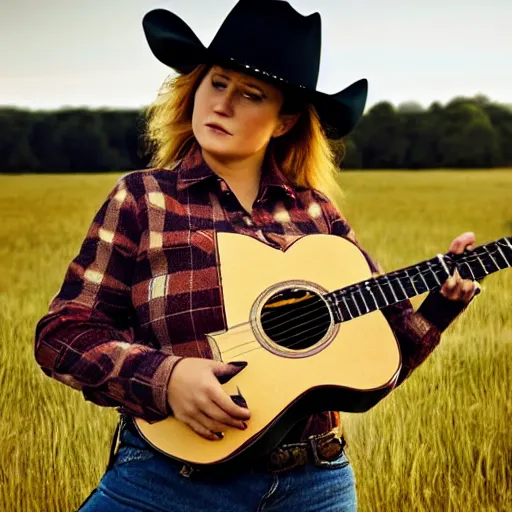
{"x":304,"y":154}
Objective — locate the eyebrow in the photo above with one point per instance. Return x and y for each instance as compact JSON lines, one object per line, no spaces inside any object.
{"x":254,"y":86}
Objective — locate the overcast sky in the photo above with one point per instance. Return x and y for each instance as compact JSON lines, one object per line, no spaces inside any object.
{"x":93,"y":52}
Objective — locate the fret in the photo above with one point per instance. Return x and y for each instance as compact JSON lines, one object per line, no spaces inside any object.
{"x":489,"y":253}
{"x":352,"y":296}
{"x":470,"y":270}
{"x":421,"y":275}
{"x":379,"y":287}
{"x":503,"y":255}
{"x":407,"y":285}
{"x":360,"y":304}
{"x":508,"y":242}
{"x":411,"y":280}
{"x":371,"y":293}
{"x":481,"y":263}
{"x":434,"y":273}
{"x":440,"y":257}
{"x":391,"y":288}
{"x":441,"y":278}
{"x":346,"y":306}
{"x":418,"y":285}
{"x":403,"y":289}
{"x":333,"y":307}
{"x":337,"y":306}
{"x":490,"y":263}
{"x":333,"y":297}
{"x":431,"y":276}
{"x":362,"y":296}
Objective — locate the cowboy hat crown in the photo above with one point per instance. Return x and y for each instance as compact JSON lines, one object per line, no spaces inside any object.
{"x":265,"y":38}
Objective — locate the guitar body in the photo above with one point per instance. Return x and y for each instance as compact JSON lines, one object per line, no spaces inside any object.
{"x":346,"y":366}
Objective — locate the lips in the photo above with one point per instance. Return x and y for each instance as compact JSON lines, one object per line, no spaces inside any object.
{"x":218,"y":127}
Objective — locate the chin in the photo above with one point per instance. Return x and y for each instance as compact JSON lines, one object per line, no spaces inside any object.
{"x":218,"y":147}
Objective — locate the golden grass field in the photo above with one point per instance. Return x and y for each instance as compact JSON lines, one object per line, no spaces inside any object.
{"x":440,"y":442}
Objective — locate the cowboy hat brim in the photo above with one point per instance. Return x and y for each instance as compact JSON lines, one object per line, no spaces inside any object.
{"x":172,"y":41}
{"x":176,"y":45}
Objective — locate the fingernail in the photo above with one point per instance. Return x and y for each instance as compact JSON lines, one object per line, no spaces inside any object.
{"x":239,"y":400}
{"x":220,"y":435}
{"x":238,"y":364}
{"x":229,"y":373}
{"x":244,"y":425}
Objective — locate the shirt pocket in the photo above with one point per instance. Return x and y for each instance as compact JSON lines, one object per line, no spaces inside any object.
{"x":169,"y":253}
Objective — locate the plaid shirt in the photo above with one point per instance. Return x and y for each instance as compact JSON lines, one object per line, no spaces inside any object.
{"x":144,"y":288}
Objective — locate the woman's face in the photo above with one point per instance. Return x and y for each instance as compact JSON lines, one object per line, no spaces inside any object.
{"x":245,"y":107}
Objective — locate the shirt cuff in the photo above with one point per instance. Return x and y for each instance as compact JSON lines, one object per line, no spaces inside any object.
{"x":161,"y":384}
{"x":440,"y":311}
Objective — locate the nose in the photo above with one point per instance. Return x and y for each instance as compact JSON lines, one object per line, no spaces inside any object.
{"x":224,"y":103}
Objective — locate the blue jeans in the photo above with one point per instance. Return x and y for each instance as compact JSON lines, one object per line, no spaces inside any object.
{"x":143,"y":480}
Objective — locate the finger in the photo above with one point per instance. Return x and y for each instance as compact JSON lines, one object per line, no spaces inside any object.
{"x":213,"y":425}
{"x":201,"y":430}
{"x":461,"y":242}
{"x":213,"y":411}
{"x":467,"y":297}
{"x":457,"y":276}
{"x":468,"y":290}
{"x":448,"y":287}
{"x":461,"y":290}
{"x":450,"y":284}
{"x":458,"y":290}
{"x":223,"y":400}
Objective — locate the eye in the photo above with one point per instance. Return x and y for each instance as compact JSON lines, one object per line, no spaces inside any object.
{"x":253,"y":97}
{"x":218,"y":85}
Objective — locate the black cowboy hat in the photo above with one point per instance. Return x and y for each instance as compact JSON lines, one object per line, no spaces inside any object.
{"x":268,"y":39}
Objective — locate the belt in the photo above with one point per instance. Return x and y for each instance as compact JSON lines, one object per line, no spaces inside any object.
{"x":318,"y":450}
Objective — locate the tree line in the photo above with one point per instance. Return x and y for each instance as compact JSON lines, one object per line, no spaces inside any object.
{"x":465,"y":133}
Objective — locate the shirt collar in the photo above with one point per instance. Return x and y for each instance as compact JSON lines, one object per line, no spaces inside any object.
{"x":193,"y":169}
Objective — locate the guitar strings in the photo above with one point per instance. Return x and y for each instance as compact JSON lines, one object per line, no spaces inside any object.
{"x":312,"y":309}
{"x":347,"y":294}
{"x":351,"y":295}
{"x":300,"y":341}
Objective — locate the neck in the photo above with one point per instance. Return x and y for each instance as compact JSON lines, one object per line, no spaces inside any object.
{"x":236,"y":172}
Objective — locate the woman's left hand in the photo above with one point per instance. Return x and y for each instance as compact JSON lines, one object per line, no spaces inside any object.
{"x":455,"y":288}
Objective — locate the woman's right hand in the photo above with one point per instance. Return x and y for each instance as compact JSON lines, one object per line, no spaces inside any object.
{"x":198,"y":400}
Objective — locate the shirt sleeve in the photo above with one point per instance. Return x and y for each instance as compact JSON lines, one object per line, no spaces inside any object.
{"x":417,"y":332}
{"x":86,"y":339}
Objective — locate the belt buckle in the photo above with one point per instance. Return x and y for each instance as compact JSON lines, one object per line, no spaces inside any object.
{"x":312,"y":441}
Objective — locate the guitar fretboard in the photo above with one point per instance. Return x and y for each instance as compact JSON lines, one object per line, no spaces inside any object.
{"x":376,"y":293}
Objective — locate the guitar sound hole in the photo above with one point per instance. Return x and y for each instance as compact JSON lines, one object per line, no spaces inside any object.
{"x":295,"y":319}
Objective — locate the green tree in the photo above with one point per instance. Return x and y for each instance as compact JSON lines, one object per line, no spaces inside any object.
{"x":467,"y":137}
{"x":16,"y":154}
{"x":381,"y":139}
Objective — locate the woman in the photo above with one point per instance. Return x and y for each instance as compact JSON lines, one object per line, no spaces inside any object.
{"x":240,"y":146}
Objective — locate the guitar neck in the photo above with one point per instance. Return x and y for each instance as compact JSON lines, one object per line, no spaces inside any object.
{"x":376,"y":293}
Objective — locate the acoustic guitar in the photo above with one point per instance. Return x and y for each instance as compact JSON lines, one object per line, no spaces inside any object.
{"x":308,"y":322}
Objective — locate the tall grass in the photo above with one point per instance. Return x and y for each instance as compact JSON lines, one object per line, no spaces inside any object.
{"x":441,"y":442}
